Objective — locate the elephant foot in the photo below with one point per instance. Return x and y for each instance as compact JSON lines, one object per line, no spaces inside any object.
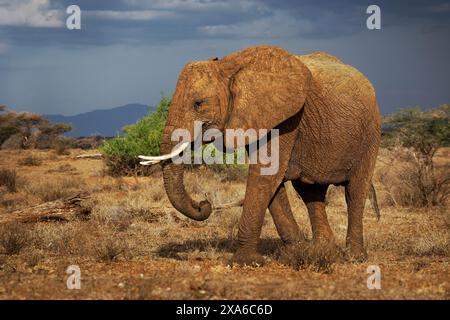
{"x":324,"y":245}
{"x":325,"y":248}
{"x":355,"y":253}
{"x":247,"y":257}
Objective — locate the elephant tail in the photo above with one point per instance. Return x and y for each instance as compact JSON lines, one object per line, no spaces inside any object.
{"x":374,"y":201}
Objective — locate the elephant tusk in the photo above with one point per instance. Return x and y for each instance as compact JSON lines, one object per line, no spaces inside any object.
{"x":148,"y":163}
{"x":156,"y":159}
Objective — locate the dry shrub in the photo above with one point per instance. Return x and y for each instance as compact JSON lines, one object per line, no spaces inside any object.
{"x":137,"y":205}
{"x":425,"y":185}
{"x":108,"y":249}
{"x":14,"y":237}
{"x":117,"y":166}
{"x":32,"y":258}
{"x":56,"y":238}
{"x":13,"y":201}
{"x":136,"y":200}
{"x":8,"y":178}
{"x":417,"y":136}
{"x":311,"y":256}
{"x":111,"y":214}
{"x":30,"y":161}
{"x":412,"y":181}
{"x":61,"y":147}
{"x":51,"y":190}
{"x":81,"y":238}
{"x":431,"y":243}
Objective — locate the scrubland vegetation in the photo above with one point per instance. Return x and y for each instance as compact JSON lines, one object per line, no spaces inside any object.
{"x":134,"y":245}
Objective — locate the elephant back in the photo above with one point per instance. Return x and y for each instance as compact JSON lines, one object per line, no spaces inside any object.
{"x":333,"y":77}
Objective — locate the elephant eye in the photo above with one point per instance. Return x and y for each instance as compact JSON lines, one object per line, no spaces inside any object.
{"x":198,"y":103}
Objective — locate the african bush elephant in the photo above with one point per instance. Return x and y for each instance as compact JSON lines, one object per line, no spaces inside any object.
{"x":329,"y":133}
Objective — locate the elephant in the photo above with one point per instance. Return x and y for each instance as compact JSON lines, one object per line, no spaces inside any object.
{"x":329,"y":128}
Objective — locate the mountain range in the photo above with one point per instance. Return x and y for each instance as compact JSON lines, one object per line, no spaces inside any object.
{"x":103,"y":122}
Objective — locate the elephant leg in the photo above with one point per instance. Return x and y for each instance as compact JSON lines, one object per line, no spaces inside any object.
{"x":259,"y":192}
{"x":314,"y":197}
{"x":283,"y":218}
{"x":356,"y":192}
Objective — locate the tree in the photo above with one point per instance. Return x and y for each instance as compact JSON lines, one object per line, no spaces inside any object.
{"x":32,"y":129}
{"x":423,"y":131}
{"x":422,"y":134}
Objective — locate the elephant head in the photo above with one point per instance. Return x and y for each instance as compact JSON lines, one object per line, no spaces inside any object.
{"x":256,"y":88}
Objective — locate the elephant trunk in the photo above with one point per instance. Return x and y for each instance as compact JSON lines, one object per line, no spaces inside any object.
{"x":173,"y":183}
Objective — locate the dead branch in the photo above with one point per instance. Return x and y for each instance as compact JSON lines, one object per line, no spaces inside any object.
{"x":212,"y":200}
{"x":239,"y":203}
{"x":66,"y":209}
{"x":90,"y":156}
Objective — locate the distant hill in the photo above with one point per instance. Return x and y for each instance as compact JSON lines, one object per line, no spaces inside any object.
{"x":104,"y":122}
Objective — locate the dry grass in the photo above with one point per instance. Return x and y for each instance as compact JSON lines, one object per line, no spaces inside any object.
{"x":404,"y":181}
{"x":63,"y":168}
{"x":30,"y":160}
{"x":8,"y":179}
{"x":61,"y":147}
{"x":13,"y":238}
{"x":432,"y":240}
{"x":316,"y":258}
{"x":50,"y":190}
{"x":110,"y":249}
{"x":431,"y":244}
{"x":134,"y":238}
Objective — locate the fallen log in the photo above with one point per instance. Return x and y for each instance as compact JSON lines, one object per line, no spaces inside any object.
{"x":66,"y":209}
{"x":71,"y":208}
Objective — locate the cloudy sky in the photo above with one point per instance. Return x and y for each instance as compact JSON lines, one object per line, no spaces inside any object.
{"x":132,"y":50}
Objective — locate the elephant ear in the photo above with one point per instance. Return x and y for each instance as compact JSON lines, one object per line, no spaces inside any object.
{"x":267,"y":86}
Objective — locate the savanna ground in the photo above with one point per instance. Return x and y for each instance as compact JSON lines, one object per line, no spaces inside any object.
{"x":135,"y":246}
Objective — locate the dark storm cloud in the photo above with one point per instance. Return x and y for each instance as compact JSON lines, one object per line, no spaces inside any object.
{"x":329,"y":19}
{"x":180,"y":20}
{"x":167,"y":21}
{"x":131,"y":50}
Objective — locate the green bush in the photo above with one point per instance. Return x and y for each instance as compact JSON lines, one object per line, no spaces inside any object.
{"x":143,"y":137}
